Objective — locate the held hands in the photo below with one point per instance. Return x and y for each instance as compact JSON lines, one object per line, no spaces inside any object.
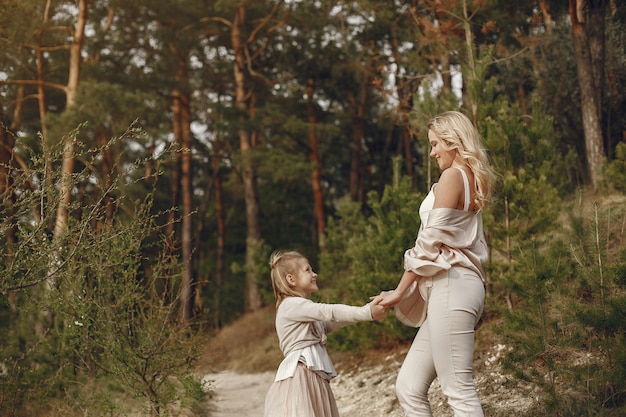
{"x":378,"y":311}
{"x":387,"y":298}
{"x":391,"y":298}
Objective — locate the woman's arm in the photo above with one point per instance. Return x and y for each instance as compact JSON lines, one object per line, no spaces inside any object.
{"x":449,"y":193}
{"x":391,"y":298}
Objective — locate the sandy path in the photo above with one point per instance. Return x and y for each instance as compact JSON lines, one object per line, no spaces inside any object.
{"x":366,"y":391}
{"x":239,"y":395}
{"x":243,"y":395}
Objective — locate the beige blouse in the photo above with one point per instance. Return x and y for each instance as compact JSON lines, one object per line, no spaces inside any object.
{"x":447,"y":238}
{"x":302,"y":325}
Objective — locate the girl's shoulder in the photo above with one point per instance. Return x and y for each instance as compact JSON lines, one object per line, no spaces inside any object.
{"x":295,"y":301}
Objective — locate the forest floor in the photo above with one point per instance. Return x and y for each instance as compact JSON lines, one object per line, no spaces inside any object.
{"x":241,"y":361}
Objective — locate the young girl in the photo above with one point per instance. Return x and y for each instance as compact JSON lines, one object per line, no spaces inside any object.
{"x":302,"y":384}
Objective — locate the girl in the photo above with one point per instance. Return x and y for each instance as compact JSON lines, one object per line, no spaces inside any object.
{"x":301,"y":387}
{"x":442,"y":288}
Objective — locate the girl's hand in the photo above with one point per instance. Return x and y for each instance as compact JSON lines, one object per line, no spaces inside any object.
{"x":378,"y":311}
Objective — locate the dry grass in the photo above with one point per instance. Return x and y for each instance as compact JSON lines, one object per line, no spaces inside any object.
{"x":249,"y":344}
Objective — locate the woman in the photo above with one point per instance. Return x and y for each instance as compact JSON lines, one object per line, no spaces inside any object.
{"x":442,"y":289}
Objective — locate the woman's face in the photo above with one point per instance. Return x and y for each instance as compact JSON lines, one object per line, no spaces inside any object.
{"x":444,"y":158}
{"x":305,"y":280}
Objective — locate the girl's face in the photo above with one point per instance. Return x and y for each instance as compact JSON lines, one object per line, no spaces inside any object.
{"x":444,"y":158}
{"x":304,"y":279}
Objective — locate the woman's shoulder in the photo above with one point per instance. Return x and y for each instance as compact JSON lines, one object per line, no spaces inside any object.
{"x":452,"y":173}
{"x":450,"y":189}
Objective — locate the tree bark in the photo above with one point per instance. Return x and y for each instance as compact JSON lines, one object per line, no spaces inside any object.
{"x":588,"y":22}
{"x":69,"y":146}
{"x":221,"y":231}
{"x":358,"y":107}
{"x":244,"y":101}
{"x":405,"y":94}
{"x":7,"y":144}
{"x":182,"y":120}
{"x":170,"y":228}
{"x":316,"y":174}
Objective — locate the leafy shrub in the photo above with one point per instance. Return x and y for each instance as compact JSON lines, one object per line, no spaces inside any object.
{"x":365,"y":255}
{"x":615,"y":171}
{"x":95,"y":306}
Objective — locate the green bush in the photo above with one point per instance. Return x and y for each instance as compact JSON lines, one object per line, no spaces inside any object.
{"x":566,"y":330}
{"x":365,"y":256}
{"x":615,"y":171}
{"x":95,"y":307}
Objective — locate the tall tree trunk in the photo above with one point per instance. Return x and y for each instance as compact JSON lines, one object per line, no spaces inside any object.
{"x":7,"y":142}
{"x":470,"y":60}
{"x":547,"y":16}
{"x":359,"y":108}
{"x":245,"y":104}
{"x":69,"y":146}
{"x":405,"y":94}
{"x":170,"y":228}
{"x":7,"y":199}
{"x":221,"y":231}
{"x":182,"y":119}
{"x":41,"y":104}
{"x":39,"y":55}
{"x":316,"y":174}
{"x":588,"y":22}
{"x":177,"y":131}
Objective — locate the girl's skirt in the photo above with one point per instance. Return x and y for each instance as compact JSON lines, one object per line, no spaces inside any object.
{"x":306,"y":394}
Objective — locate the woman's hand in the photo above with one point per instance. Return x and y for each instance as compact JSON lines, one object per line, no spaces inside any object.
{"x":391,"y":298}
{"x":378,"y":311}
{"x":387,"y":298}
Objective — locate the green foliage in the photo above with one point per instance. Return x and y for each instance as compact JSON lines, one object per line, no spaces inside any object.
{"x":97,"y":303}
{"x":534,"y":328}
{"x":365,"y":255}
{"x":615,"y":171}
{"x":566,"y":326}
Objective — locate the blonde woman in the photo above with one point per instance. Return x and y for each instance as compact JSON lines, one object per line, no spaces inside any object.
{"x":442,"y":288}
{"x":301,"y":387}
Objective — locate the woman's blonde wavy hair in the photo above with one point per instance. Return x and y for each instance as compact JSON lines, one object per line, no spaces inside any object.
{"x":282,"y":264}
{"x":456,"y":131}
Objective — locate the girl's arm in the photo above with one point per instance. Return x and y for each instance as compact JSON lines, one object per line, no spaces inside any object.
{"x":303,"y":309}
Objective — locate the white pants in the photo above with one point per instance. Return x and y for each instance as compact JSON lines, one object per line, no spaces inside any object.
{"x":444,"y":346}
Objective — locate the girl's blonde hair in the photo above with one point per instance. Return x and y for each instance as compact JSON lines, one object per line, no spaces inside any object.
{"x":456,"y":131}
{"x":282,"y":264}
